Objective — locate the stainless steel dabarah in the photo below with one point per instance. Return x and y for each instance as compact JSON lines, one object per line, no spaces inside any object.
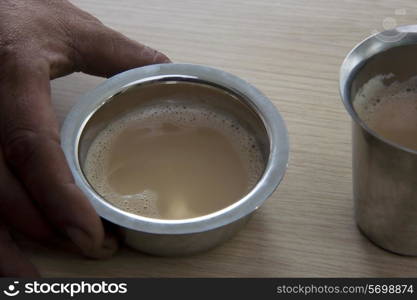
{"x":211,"y":87}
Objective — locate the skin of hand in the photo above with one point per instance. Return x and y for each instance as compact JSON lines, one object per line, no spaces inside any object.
{"x":41,"y":40}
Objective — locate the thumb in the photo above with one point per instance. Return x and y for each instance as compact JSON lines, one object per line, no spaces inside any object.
{"x":105,"y":52}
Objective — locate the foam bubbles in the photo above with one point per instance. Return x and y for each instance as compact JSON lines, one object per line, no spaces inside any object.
{"x":184,"y":116}
{"x":375,"y":93}
{"x":389,"y":108}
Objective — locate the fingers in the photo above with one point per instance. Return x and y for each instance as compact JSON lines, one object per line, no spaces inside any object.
{"x":12,"y":261}
{"x":17,"y":210}
{"x":104,"y":52}
{"x":30,"y":141}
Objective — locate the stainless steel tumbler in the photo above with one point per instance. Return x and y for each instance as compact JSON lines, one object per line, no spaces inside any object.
{"x":384,"y":173}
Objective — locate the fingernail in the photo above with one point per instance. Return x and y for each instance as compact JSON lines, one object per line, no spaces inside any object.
{"x":84,"y":242}
{"x":107,"y":249}
{"x":166,"y":60}
{"x":161,"y":58}
{"x":110,"y":246}
{"x":80,"y":238}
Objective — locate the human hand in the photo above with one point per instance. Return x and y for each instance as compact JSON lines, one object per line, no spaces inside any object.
{"x":41,"y":40}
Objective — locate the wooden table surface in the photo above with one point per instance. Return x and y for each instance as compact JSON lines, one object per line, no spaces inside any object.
{"x":291,"y":50}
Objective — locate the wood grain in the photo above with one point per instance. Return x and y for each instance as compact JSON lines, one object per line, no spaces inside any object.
{"x":292,"y":51}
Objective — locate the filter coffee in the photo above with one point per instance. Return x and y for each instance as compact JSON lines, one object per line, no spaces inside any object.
{"x":172,"y":161}
{"x":390,"y":109}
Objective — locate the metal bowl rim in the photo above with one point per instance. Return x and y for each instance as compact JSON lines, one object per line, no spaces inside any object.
{"x":353,"y":63}
{"x":273,"y":122}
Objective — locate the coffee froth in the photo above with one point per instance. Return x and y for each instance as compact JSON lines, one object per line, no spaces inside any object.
{"x":174,"y":161}
{"x":390,"y":109}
